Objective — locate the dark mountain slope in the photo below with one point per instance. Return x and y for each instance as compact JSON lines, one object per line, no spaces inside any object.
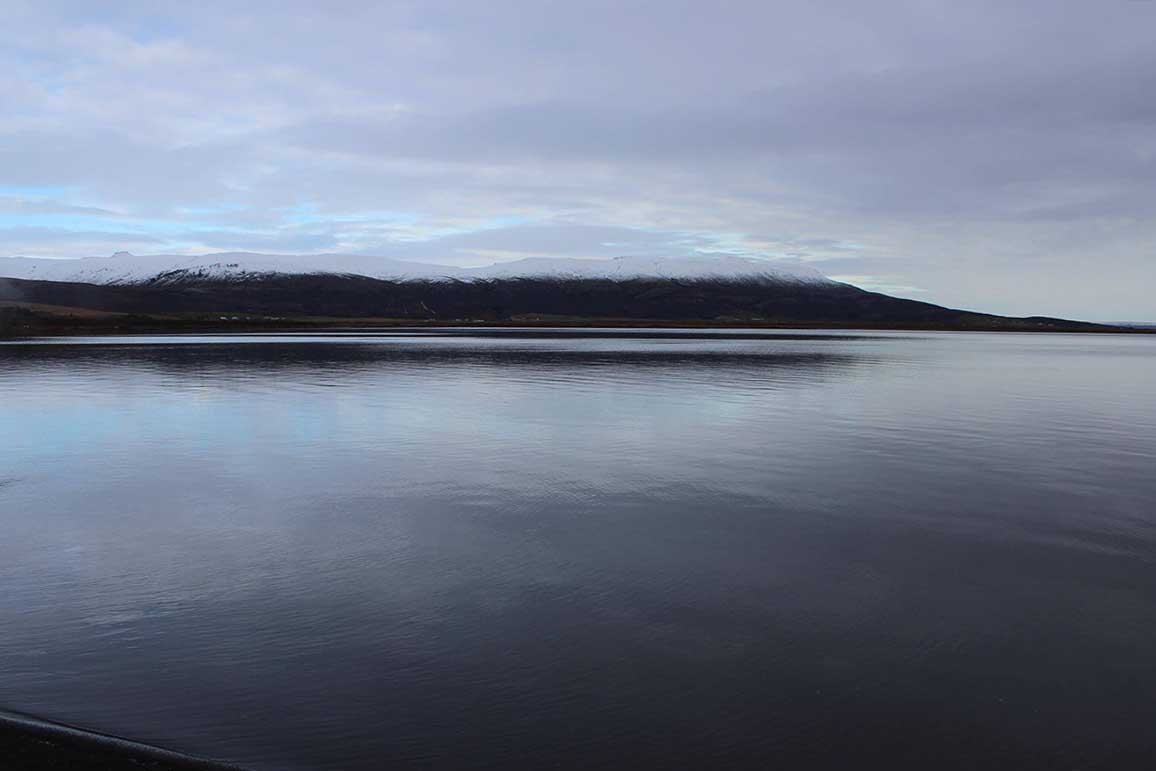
{"x":656,"y":299}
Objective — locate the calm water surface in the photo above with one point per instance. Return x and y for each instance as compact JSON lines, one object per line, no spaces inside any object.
{"x":583,"y":550}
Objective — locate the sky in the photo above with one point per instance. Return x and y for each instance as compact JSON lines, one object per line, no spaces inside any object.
{"x":991,"y":155}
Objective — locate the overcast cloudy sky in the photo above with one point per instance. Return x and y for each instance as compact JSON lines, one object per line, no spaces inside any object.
{"x":991,"y":155}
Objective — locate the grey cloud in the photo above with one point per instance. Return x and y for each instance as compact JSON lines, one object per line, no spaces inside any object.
{"x":554,"y":240}
{"x":121,"y":170}
{"x":967,"y":149}
{"x":930,"y":141}
{"x":46,"y":241}
{"x":277,"y":241}
{"x":14,"y":205}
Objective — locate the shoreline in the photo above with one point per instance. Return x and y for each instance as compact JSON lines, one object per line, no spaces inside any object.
{"x":30,"y":743}
{"x":58,"y":326}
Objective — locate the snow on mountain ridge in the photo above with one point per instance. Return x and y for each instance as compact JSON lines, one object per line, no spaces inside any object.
{"x":126,"y":268}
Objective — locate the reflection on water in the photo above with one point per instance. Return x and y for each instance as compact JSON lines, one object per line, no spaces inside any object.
{"x":611,"y":548}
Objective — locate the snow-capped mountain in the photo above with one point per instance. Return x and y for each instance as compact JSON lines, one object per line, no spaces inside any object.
{"x":126,"y":268}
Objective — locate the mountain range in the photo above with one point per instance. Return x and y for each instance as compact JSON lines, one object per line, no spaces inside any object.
{"x":126,"y":268}
{"x":234,"y":288}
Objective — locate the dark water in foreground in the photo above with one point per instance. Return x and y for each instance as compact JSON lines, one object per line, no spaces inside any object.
{"x":637,"y":550}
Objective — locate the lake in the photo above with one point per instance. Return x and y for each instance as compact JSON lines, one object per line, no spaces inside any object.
{"x":586,"y":548}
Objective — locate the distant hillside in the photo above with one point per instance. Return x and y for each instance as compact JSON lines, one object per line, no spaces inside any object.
{"x":759,"y":301}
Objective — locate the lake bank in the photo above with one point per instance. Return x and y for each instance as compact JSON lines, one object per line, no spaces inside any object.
{"x":32,"y":744}
{"x":21,"y":320}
